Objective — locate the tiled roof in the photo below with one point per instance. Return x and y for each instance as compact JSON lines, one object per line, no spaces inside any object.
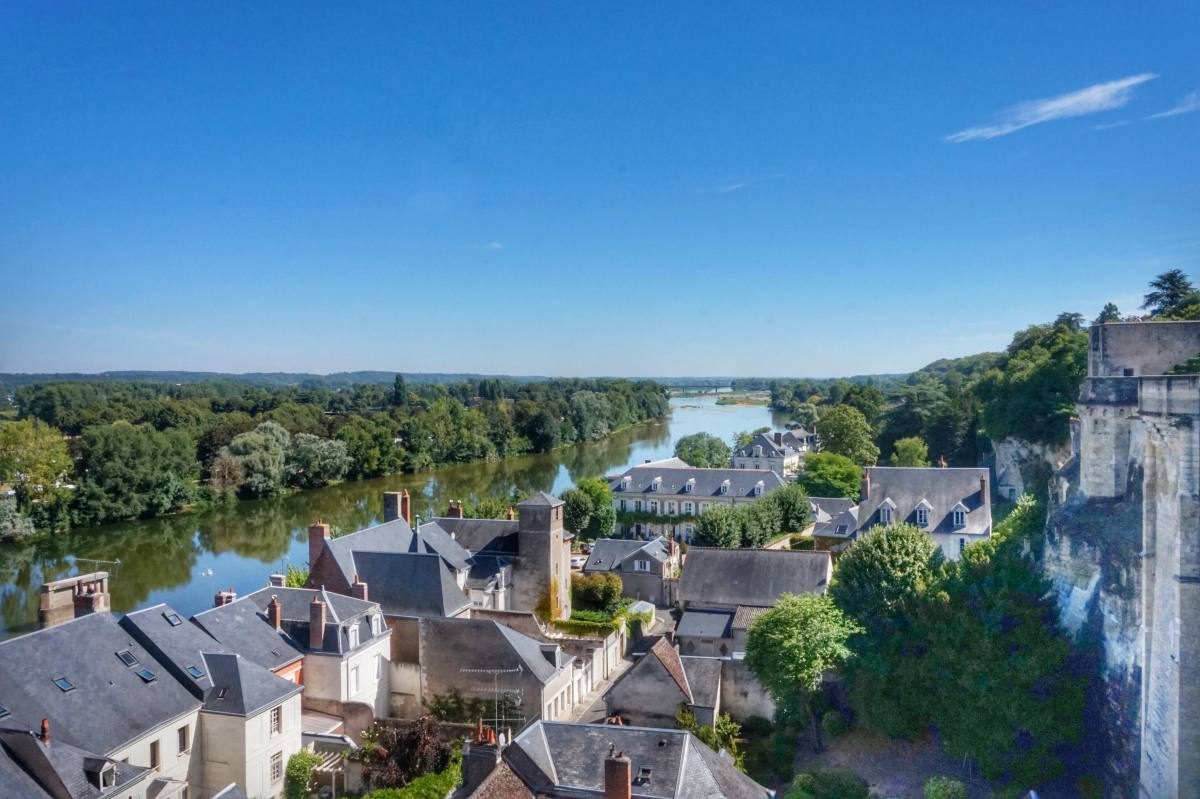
{"x":745,"y":616}
{"x":243,"y":688}
{"x":672,"y":482}
{"x":751,"y":576}
{"x":502,"y":783}
{"x":410,"y":584}
{"x":669,"y":658}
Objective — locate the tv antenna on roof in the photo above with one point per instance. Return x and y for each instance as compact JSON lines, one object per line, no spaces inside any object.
{"x":502,"y":697}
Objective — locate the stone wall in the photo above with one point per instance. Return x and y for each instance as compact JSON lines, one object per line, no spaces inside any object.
{"x":1140,"y":348}
{"x":742,"y":695}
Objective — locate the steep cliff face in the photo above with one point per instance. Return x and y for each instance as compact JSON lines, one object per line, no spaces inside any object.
{"x":1091,"y":558}
{"x":1022,"y":467}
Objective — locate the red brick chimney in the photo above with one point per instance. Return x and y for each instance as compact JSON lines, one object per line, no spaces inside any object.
{"x":226,"y":597}
{"x":317,"y":533}
{"x":316,"y":623}
{"x":406,"y":507}
{"x":455,"y":511}
{"x":392,"y":509}
{"x":275,"y":613}
{"x":45,"y":736}
{"x":359,"y":589}
{"x":618,"y":776}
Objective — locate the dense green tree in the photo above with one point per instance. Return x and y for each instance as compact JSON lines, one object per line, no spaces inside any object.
{"x":577,"y":510}
{"x":225,"y":474}
{"x":910,"y":451}
{"x":703,"y":450}
{"x":603,"y":516}
{"x":868,"y":400}
{"x":744,"y":438}
{"x":589,"y":414}
{"x":844,"y":430}
{"x":1110,"y":313}
{"x":371,"y":446}
{"x":795,"y":513}
{"x":313,"y":461}
{"x":1168,"y":292}
{"x":826,"y":474}
{"x":14,"y":525}
{"x":1070,"y":320}
{"x":1032,"y":393}
{"x":805,"y":415}
{"x":33,"y":460}
{"x":793,"y":645}
{"x":262,"y":455}
{"x":719,"y":526}
{"x":132,"y":471}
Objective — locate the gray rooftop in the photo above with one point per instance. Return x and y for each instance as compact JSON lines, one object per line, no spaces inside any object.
{"x":243,"y":688}
{"x":941,"y":489}
{"x":485,"y":644}
{"x":341,"y":612}
{"x":408,"y":584}
{"x":394,"y":537}
{"x":754,"y":577}
{"x":242,"y":627}
{"x":109,"y":705}
{"x":608,"y":553}
{"x":541,"y":500}
{"x":769,"y":448}
{"x":565,"y":759}
{"x":491,"y":536}
{"x":31,"y":768}
{"x":705,"y":623}
{"x":704,"y":677}
{"x":833,"y":516}
{"x":673,"y":481}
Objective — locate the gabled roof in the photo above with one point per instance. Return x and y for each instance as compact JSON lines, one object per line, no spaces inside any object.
{"x":31,"y":768}
{"x":665,"y":654}
{"x":491,"y":536}
{"x":744,"y":616}
{"x":410,"y":584}
{"x":242,"y":688}
{"x":109,"y":705}
{"x":941,"y":489}
{"x":178,"y":647}
{"x":393,"y":537}
{"x":561,"y":759}
{"x":754,"y":577}
{"x":769,"y":448}
{"x":341,"y":612}
{"x":242,"y":627}
{"x":707,"y":484}
{"x":486,"y":644}
{"x":608,"y":553}
{"x":704,"y":677}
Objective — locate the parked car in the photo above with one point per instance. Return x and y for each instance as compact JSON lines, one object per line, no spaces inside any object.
{"x":578,"y":561}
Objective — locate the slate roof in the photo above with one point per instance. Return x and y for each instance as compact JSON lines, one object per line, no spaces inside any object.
{"x":561,"y":759}
{"x":230,"y":791}
{"x":110,"y":704}
{"x":340,"y":612}
{"x":705,"y":623}
{"x":608,"y":553}
{"x":744,"y":616}
{"x":757,"y":577}
{"x":486,"y":644}
{"x":413,"y":585}
{"x":241,"y":687}
{"x":742,"y":482}
{"x":942,"y":489}
{"x":664,"y":653}
{"x":833,"y":516}
{"x":704,"y":676}
{"x":492,"y":536}
{"x":32,"y":769}
{"x":769,"y":448}
{"x":175,"y":646}
{"x":489,"y":572}
{"x":541,"y":500}
{"x":393,"y":537}
{"x":242,"y":627}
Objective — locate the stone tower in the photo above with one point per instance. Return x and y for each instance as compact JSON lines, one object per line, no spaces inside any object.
{"x":1138,"y":451}
{"x":545,"y":554}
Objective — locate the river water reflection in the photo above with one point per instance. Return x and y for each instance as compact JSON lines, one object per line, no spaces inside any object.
{"x":182,"y":560}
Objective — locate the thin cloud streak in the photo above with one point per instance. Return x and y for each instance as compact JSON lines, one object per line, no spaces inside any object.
{"x":494,"y":245}
{"x":1090,"y":100}
{"x":1188,"y":105}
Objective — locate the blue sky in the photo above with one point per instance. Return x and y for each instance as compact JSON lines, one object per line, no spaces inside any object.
{"x":568,"y":188}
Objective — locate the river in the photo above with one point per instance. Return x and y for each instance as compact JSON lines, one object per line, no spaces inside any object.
{"x":183,"y":560}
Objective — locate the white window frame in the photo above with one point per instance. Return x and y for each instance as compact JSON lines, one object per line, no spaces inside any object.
{"x":355,"y":681}
{"x":276,"y":720}
{"x":641,"y":565}
{"x":352,"y":636}
{"x":922,"y":517}
{"x":885,"y":515}
{"x":276,"y":767}
{"x":960,"y":517}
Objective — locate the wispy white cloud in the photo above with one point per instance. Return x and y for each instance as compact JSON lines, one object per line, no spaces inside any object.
{"x":729,"y":188}
{"x":1090,"y":100}
{"x":1187,"y":105}
{"x":745,"y":183}
{"x":494,"y":245}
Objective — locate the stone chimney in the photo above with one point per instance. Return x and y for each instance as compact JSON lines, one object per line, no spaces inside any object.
{"x":985,"y":495}
{"x":778,"y":439}
{"x":275,"y":613}
{"x":511,"y":514}
{"x":397,"y":505}
{"x":45,"y":736}
{"x":226,"y":597}
{"x":316,"y":623}
{"x":455,"y":511}
{"x":865,"y":490}
{"x":276,"y":580}
{"x":72,"y":597}
{"x":317,"y":533}
{"x":359,"y":589}
{"x":618,"y":776}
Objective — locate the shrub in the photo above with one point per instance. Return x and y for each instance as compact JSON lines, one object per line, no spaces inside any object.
{"x":783,"y":755}
{"x":599,"y":591}
{"x":798,"y":541}
{"x":297,"y":778}
{"x":834,"y":723}
{"x":945,"y":788}
{"x":838,"y":783}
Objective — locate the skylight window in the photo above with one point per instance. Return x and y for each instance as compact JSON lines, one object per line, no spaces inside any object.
{"x":64,"y":684}
{"x":147,"y":675}
{"x":221,"y":692}
{"x":127,"y":657}
{"x":4,"y":711}
{"x":173,"y":619}
{"x":195,"y":672}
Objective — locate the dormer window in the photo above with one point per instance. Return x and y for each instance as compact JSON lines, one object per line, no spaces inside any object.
{"x":757,"y":451}
{"x":923,"y":508}
{"x":724,"y":489}
{"x":886,"y":509}
{"x":626,"y":483}
{"x":959,"y":515}
{"x":758,"y":488}
{"x":108,"y":776}
{"x":352,"y":636}
{"x":690,"y":485}
{"x":656,"y":484}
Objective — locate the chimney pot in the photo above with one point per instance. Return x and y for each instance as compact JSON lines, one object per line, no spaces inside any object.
{"x":316,"y":623}
{"x":455,"y":510}
{"x":275,"y":613}
{"x":511,"y":513}
{"x":45,"y":731}
{"x":392,"y":506}
{"x":618,"y":776}
{"x":276,"y":580}
{"x":359,"y":589}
